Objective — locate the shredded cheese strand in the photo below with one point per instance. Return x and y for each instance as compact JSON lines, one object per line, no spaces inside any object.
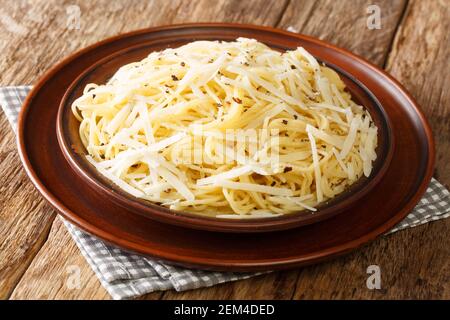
{"x":171,"y":129}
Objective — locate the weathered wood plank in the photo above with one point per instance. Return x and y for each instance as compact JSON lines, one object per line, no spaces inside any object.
{"x":420,"y":61}
{"x":59,"y":271}
{"x":414,"y":263}
{"x":25,"y":217}
{"x":40,"y":36}
{"x":279,"y":285}
{"x":36,"y":37}
{"x":344,"y":23}
{"x":411,"y":268}
{"x":50,"y":272}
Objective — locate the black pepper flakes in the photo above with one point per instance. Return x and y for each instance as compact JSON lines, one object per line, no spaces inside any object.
{"x":183,"y":64}
{"x":293,"y":67}
{"x":273,"y":183}
{"x":237,"y":100}
{"x":287,"y":169}
{"x":174,"y":78}
{"x":285,"y":122}
{"x":93,"y":96}
{"x":295,"y":116}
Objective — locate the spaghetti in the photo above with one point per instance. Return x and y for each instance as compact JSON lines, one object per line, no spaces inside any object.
{"x":172,"y":129}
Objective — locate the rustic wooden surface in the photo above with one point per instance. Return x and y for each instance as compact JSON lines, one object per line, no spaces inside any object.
{"x":37,"y":255}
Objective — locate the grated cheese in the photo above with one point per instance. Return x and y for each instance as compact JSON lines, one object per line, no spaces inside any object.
{"x":173,"y":127}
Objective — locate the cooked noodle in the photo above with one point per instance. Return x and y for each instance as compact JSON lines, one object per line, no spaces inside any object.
{"x":162,"y":129}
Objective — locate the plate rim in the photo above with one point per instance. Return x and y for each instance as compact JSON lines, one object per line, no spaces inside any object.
{"x":342,"y":202}
{"x":332,"y":251}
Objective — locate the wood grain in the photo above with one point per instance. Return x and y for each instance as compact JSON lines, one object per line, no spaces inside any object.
{"x":346,"y":27}
{"x":25,"y":217}
{"x":344,"y":23}
{"x":50,"y":271}
{"x":278,"y":285}
{"x":420,"y":61}
{"x":414,"y":262}
{"x":46,"y":40}
{"x":46,"y":37}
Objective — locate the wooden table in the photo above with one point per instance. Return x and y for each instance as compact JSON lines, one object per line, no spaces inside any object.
{"x":37,"y":254}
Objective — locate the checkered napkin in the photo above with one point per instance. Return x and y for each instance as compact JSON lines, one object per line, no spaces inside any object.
{"x":126,"y":275}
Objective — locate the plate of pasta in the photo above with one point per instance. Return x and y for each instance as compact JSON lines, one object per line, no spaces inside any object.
{"x":263,"y":150}
{"x":225,"y":135}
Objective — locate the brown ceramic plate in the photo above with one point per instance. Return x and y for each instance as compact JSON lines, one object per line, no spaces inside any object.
{"x":405,"y":181}
{"x":73,"y":149}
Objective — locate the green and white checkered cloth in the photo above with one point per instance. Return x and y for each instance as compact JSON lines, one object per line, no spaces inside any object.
{"x":125,"y":275}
